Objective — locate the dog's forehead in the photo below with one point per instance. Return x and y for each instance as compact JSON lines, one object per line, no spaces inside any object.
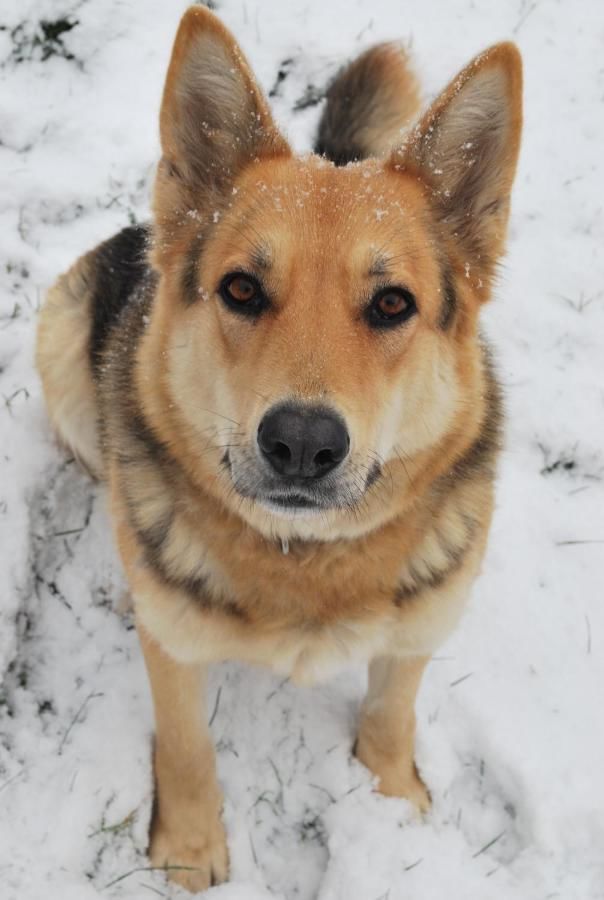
{"x":362,"y":212}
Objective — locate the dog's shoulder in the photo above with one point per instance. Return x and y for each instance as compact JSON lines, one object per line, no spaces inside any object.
{"x":118,"y":268}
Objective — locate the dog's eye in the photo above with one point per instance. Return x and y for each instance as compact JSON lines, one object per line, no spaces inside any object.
{"x":240,"y":289}
{"x":242,"y":293}
{"x":391,"y":306}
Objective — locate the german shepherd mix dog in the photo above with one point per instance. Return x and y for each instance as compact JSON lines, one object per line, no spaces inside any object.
{"x":283,"y":382}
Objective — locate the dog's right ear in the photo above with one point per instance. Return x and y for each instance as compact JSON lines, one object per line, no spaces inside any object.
{"x":465,"y":150}
{"x":214,"y":119}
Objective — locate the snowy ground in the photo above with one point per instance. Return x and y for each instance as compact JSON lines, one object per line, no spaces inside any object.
{"x":511,"y":739}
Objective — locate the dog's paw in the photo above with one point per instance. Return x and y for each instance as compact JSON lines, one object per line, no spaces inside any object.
{"x":194,"y":858}
{"x":397,"y":776}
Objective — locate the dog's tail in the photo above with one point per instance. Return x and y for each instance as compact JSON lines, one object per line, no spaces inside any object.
{"x":369,"y":104}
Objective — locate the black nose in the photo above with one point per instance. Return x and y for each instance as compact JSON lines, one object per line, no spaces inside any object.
{"x":303,"y":441}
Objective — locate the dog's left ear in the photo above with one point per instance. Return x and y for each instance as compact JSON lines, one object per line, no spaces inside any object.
{"x":465,"y":150}
{"x":214,"y":119}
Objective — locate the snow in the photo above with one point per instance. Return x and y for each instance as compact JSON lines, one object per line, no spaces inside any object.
{"x":510,"y":732}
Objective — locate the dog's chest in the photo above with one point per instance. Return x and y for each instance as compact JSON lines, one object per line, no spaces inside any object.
{"x":304,"y":613}
{"x":309,"y":611}
{"x":305,"y":619}
{"x":303,"y":585}
{"x":217,"y":589}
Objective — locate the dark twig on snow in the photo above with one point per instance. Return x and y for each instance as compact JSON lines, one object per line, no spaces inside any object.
{"x":11,"y":779}
{"x":414,"y":864}
{"x":581,"y":304}
{"x":216,"y":705}
{"x":255,"y":858}
{"x":317,"y":787}
{"x":153,"y":890}
{"x":488,"y":846}
{"x":459,"y":680}
{"x":73,"y":722}
{"x":577,"y":542}
{"x":524,"y":16}
{"x":151,"y":869}
{"x":9,"y":400}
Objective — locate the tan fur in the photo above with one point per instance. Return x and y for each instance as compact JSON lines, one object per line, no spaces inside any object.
{"x":309,"y":612}
{"x":188,"y":802}
{"x":387,"y":728}
{"x":382,"y":575}
{"x":62,"y":361}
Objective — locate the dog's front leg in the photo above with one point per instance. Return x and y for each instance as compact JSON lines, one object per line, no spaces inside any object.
{"x":386,"y":737}
{"x":187,"y":835}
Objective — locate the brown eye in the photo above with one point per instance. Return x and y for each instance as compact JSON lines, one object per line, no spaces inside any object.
{"x":391,"y":306}
{"x":241,"y":289}
{"x":242,"y":293}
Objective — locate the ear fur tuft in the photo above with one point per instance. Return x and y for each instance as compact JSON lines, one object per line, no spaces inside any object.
{"x":465,"y":149}
{"x":214,"y":120}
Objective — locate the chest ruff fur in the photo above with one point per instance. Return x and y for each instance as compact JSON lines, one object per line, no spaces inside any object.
{"x":212,"y":589}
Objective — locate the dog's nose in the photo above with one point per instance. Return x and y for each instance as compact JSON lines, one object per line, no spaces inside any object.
{"x":303,"y":441}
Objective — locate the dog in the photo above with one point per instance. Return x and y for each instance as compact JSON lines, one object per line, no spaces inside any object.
{"x":283,"y":383}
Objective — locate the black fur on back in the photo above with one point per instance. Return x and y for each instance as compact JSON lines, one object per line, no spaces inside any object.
{"x":120,"y":264}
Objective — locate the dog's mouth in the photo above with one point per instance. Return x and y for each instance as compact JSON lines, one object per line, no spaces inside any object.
{"x":292,"y":504}
{"x":294,"y":498}
{"x":291,"y":501}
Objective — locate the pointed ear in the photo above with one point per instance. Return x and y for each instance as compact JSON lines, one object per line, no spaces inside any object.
{"x":465,"y":149}
{"x":214,"y":119}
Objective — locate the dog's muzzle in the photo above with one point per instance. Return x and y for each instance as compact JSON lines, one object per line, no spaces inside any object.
{"x":300,"y":462}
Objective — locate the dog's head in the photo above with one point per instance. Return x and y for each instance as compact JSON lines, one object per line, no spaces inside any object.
{"x":316,"y":326}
